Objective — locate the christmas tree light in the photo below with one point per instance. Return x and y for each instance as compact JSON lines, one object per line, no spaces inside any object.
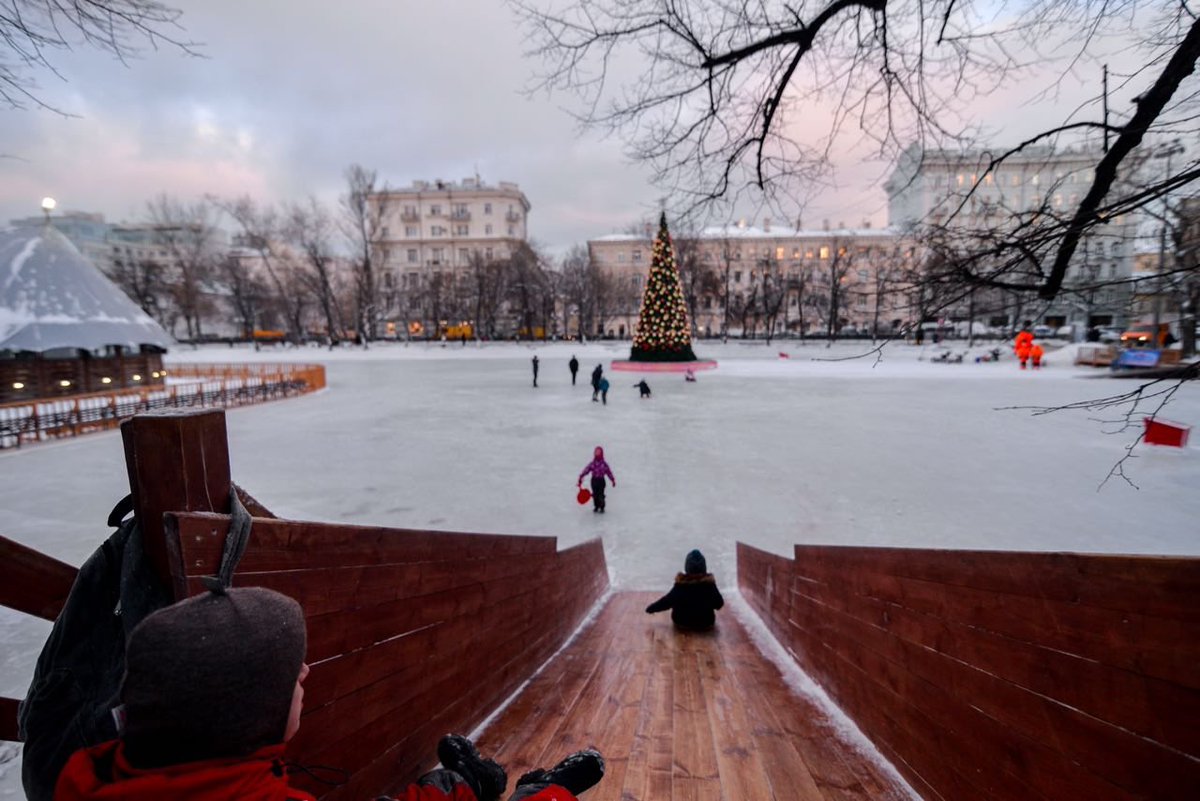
{"x":663,"y":331}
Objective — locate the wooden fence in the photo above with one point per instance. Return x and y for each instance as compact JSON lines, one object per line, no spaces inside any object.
{"x":1001,"y":675}
{"x":198,"y":385}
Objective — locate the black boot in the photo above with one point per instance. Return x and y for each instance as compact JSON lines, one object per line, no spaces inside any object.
{"x":486,"y":778}
{"x":578,"y":772}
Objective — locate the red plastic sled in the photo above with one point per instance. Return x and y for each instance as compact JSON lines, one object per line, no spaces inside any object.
{"x":584,"y":496}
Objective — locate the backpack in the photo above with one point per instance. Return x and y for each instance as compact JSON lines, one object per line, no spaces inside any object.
{"x":78,"y":677}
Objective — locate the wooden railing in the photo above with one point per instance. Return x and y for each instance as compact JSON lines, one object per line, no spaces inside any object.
{"x":208,"y":385}
{"x":1001,"y":675}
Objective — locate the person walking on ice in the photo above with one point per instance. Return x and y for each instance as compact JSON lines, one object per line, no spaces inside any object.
{"x":597,"y":375}
{"x":535,"y":369}
{"x":213,"y":689}
{"x":694,"y":598}
{"x":604,"y":391}
{"x":598,"y":469}
{"x":574,"y":367}
{"x":643,"y":388}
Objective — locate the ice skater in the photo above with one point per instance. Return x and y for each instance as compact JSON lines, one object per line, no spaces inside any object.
{"x":599,"y":469}
{"x":643,"y":388}
{"x":597,"y":374}
{"x":604,"y":391}
{"x":535,"y":369}
{"x":574,"y":366}
{"x":694,"y":598}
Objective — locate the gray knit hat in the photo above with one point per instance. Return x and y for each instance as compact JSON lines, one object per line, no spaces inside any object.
{"x":694,"y":563}
{"x":211,"y":676}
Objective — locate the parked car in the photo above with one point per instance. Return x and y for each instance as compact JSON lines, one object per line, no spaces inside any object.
{"x":1043,"y":331}
{"x":1110,"y":333}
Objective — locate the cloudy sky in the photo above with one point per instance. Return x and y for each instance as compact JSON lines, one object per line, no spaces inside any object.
{"x":290,"y":92}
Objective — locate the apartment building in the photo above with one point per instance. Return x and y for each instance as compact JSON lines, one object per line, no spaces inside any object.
{"x":936,"y":187}
{"x":435,"y":227}
{"x":784,"y":279}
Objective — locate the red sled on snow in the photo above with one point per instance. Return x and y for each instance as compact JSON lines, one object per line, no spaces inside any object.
{"x":584,"y":496}
{"x":1164,"y":432}
{"x":783,"y":355}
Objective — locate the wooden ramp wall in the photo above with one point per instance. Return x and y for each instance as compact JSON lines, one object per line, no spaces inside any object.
{"x":1000,"y":675}
{"x":411,"y":634}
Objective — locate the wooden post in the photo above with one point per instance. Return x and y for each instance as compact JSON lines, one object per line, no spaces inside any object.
{"x":178,"y":461}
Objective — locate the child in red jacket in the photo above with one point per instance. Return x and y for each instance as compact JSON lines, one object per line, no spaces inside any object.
{"x":213,"y":689}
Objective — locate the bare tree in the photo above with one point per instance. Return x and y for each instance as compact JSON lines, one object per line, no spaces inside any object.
{"x":840,"y":286}
{"x":32,"y":31}
{"x":246,"y":292}
{"x":145,"y":282}
{"x":187,"y":233}
{"x":772,"y":294}
{"x":711,"y":110}
{"x":527,"y":287}
{"x":262,"y":232}
{"x":365,"y":208}
{"x":309,"y":230}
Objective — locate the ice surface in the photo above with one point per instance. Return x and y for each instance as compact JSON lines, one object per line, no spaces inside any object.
{"x":769,"y":451}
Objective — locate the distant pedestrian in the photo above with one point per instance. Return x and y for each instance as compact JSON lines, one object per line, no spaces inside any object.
{"x":694,"y":597}
{"x":535,"y":369}
{"x":597,"y":374}
{"x":598,"y":469}
{"x":1035,"y":353}
{"x":604,"y":391}
{"x":690,"y":376}
{"x":643,"y":388}
{"x":574,"y":365}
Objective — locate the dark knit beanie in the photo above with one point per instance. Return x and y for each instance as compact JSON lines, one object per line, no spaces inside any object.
{"x":694,"y":563}
{"x":211,"y":676}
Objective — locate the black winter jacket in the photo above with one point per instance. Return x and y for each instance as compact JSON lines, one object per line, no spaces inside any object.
{"x":692,"y":601}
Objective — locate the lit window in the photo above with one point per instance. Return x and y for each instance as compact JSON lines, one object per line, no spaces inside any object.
{"x":778,"y":253}
{"x":824,"y":251}
{"x":961,"y":179}
{"x":1036,"y":179}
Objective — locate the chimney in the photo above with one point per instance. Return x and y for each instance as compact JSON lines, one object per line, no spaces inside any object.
{"x":767,"y":224}
{"x":648,"y":229}
{"x":866,"y":223}
{"x":825,"y":223}
{"x":841,"y":225}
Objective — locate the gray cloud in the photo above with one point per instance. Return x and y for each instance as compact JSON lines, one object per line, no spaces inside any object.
{"x":291,"y":92}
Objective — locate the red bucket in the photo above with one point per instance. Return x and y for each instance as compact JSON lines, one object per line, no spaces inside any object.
{"x":1164,"y":432}
{"x":584,"y":496}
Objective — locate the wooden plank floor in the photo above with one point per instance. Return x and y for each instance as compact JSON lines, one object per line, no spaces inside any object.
{"x":679,"y":717}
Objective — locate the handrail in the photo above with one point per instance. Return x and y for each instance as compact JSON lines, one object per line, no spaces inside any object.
{"x":202,"y":385}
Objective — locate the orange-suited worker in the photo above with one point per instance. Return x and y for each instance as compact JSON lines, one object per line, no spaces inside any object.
{"x":1035,"y":353}
{"x":1022,"y":345}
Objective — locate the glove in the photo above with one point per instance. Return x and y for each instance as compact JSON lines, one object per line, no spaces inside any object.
{"x":614,"y":483}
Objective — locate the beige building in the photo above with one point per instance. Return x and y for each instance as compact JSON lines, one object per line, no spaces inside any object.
{"x":955,"y":188}
{"x":779,"y":279}
{"x":435,"y":226}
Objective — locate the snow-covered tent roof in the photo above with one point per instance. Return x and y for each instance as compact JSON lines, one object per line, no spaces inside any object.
{"x":52,"y":297}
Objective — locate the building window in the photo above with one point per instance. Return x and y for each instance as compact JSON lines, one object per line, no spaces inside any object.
{"x":462,"y":255}
{"x":737,"y":276}
{"x":437,"y":255}
{"x":487,"y":208}
{"x":388,"y":280}
{"x":410,"y":230}
{"x":637,"y":254}
{"x":435,"y":210}
{"x":779,"y":253}
{"x":462,"y":230}
{"x":437,"y":230}
{"x":960,"y":179}
{"x":863,"y":275}
{"x":487,"y":254}
{"x":487,"y":229}
{"x":1036,"y":179}
{"x":621,"y":258}
{"x":824,"y":251}
{"x":384,"y":231}
{"x":412,"y":255}
{"x":510,"y":231}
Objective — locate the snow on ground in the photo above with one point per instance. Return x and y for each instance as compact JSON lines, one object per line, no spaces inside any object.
{"x":765,"y":450}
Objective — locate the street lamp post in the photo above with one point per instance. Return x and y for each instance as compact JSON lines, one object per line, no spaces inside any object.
{"x":1173,"y":148}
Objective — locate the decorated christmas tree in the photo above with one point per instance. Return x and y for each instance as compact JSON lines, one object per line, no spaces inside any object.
{"x":663,"y":331}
